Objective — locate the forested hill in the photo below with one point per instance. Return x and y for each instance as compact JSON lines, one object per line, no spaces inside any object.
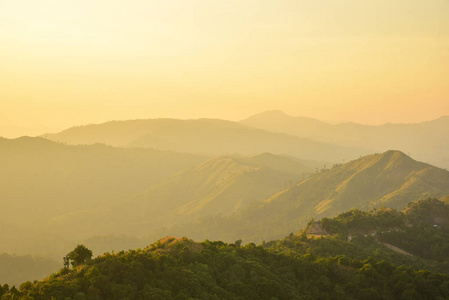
{"x":297,"y":267}
{"x":421,"y":230}
{"x":392,"y":179}
{"x":203,"y":136}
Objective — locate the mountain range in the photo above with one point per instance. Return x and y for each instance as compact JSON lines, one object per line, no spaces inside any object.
{"x":123,"y":184}
{"x":271,"y":131}
{"x":389,"y":179}
{"x":425,"y":141}
{"x":204,"y":137}
{"x":66,"y":193}
{"x":43,"y":183}
{"x":220,"y":186}
{"x":52,"y":193}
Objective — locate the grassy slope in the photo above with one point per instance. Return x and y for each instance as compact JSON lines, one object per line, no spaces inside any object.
{"x":391,"y":179}
{"x":219,"y":186}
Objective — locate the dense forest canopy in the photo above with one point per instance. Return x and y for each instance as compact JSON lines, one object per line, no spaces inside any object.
{"x":301,"y":266}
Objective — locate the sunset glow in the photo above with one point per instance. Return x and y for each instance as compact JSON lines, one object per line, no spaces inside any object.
{"x":75,"y":62}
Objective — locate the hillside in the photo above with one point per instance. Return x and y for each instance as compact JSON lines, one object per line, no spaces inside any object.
{"x":219,"y":186}
{"x":391,"y":179}
{"x":445,"y":199}
{"x":44,"y":183}
{"x":408,"y":237}
{"x":421,"y":230}
{"x":36,"y":170}
{"x":426,"y":141}
{"x":296,"y":267}
{"x":62,"y":194}
{"x":16,"y":269}
{"x":202,"y":136}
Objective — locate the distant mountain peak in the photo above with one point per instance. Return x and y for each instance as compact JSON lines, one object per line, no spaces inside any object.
{"x":390,"y":177}
{"x":395,"y":158}
{"x":392,"y":154}
{"x":273,"y":112}
{"x":278,"y":121}
{"x":278,"y":114}
{"x":29,"y":141}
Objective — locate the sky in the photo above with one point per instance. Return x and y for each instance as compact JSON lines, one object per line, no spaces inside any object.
{"x":66,"y":63}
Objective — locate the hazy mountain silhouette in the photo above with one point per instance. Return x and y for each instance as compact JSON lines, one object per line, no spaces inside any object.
{"x":278,"y":121}
{"x":203,"y":136}
{"x":43,"y":183}
{"x":62,"y":193}
{"x":426,"y":141}
{"x":56,"y":194}
{"x":15,"y":269}
{"x":219,"y":186}
{"x":392,"y":179}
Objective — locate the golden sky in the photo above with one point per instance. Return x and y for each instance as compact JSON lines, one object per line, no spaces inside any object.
{"x":65,"y":63}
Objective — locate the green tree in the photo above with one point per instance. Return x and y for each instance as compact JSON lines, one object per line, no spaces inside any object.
{"x":79,"y":256}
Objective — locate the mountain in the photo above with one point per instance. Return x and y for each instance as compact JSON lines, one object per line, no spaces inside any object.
{"x":59,"y":194}
{"x":219,"y":186}
{"x":39,"y":173}
{"x":296,"y":267}
{"x":426,"y":141}
{"x":15,"y":269}
{"x":278,"y":121}
{"x":44,"y":183}
{"x":392,"y":179}
{"x":18,"y":131}
{"x":203,"y":136}
{"x":63,"y":194}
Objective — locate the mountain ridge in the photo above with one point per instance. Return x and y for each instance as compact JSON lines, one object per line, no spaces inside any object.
{"x":43,"y":182}
{"x":203,"y":136}
{"x":220,"y":186}
{"x":392,"y":179}
{"x":426,"y":141}
{"x":277,"y":113}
